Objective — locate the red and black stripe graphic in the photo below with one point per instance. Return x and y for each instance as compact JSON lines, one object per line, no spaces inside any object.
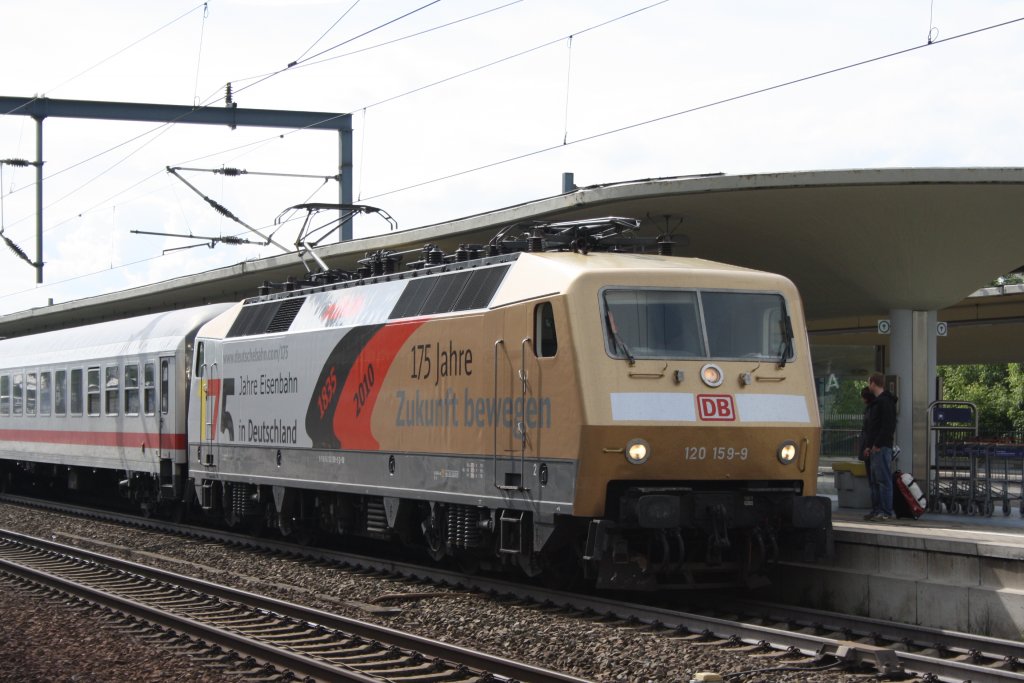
{"x":341,"y":409}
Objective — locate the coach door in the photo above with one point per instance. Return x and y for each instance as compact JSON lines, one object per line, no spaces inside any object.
{"x":208,"y":370}
{"x":516,"y":378}
{"x":162,"y":390}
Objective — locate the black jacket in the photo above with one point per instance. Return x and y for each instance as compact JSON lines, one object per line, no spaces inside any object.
{"x":881,"y":422}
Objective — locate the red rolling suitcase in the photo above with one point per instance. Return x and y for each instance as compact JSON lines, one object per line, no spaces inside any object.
{"x":907,"y":498}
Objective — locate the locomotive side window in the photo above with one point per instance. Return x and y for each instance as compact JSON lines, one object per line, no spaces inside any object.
{"x":92,"y":391}
{"x":19,"y":388}
{"x":45,"y":393}
{"x":112,"y":387}
{"x":652,"y":323}
{"x":545,"y":340}
{"x":60,"y":392}
{"x":149,"y":389}
{"x":5,"y":395}
{"x":131,"y":389}
{"x":200,"y":359}
{"x":31,"y":393}
{"x":747,"y":325}
{"x":75,"y":392}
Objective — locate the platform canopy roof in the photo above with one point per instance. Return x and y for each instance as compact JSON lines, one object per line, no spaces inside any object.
{"x":856,"y":243}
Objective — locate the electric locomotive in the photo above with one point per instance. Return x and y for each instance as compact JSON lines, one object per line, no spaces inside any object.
{"x":557,"y":400}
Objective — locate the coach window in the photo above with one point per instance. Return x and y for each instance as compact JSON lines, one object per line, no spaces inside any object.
{"x":92,"y":390}
{"x":60,"y":392}
{"x":19,"y":388}
{"x":165,"y":385}
{"x":131,"y":389}
{"x":31,"y":393}
{"x":75,"y":392}
{"x":45,"y":393}
{"x":149,"y":389}
{"x":112,"y":388}
{"x":545,"y":341}
{"x":5,"y":395}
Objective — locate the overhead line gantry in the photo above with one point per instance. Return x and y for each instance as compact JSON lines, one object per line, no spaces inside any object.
{"x":231,"y":115}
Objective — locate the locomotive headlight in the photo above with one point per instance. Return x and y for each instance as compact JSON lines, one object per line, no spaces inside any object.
{"x":712,"y":375}
{"x":637,"y":451}
{"x":787,"y":452}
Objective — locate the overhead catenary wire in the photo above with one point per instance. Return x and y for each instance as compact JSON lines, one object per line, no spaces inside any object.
{"x":568,"y":83}
{"x":516,"y":55}
{"x":324,"y":34}
{"x":364,"y":33}
{"x":119,"y":52}
{"x":408,"y":36}
{"x":211,"y":98}
{"x":705,"y":106}
{"x":199,"y":56}
{"x":701,"y":107}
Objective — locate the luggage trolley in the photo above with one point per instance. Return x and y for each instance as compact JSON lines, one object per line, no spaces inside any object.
{"x":953,"y":477}
{"x":1005,"y":469}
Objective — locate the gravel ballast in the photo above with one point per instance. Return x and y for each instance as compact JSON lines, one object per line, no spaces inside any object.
{"x":588,"y":649}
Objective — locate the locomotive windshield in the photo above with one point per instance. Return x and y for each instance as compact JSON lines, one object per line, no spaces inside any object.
{"x":669,"y":323}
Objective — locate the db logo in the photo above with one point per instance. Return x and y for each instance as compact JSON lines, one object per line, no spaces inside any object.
{"x":713,"y":407}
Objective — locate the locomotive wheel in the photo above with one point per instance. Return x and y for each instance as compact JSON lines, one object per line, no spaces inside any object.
{"x":301,"y":535}
{"x":467,"y":563}
{"x":257,"y":526}
{"x":561,"y":567}
{"x":433,"y":536}
{"x":177,"y":512}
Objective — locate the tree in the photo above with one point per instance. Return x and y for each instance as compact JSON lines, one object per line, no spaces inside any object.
{"x":997,"y":391}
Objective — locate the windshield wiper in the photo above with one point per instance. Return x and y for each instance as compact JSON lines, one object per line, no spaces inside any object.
{"x":787,"y":347}
{"x":618,"y":340}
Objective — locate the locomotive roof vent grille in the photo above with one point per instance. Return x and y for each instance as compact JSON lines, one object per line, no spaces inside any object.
{"x":463,"y":290}
{"x":285,"y":314}
{"x":265,"y":318}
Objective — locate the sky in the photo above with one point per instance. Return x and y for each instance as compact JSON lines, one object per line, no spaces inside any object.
{"x":465,"y":106}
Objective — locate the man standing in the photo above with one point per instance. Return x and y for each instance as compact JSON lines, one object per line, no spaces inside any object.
{"x":878,"y":442}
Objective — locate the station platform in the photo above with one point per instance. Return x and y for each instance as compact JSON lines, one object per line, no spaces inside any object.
{"x":1010,"y":527}
{"x":946,"y":571}
{"x":1004,"y":528}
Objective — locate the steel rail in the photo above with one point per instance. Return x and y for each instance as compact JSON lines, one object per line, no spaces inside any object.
{"x":430,"y":648}
{"x":955,"y":659}
{"x":262,"y":652}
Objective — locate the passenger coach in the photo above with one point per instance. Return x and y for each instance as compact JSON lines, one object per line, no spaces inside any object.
{"x":83,"y":405}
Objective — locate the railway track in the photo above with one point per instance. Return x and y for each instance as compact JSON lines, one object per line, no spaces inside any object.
{"x":807,"y":638}
{"x":307,"y":643}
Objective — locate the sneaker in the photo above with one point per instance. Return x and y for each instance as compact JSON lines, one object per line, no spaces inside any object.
{"x":870,"y":516}
{"x":882,"y":517}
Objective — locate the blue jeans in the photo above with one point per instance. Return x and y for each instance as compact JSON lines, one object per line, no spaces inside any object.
{"x":881,"y":481}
